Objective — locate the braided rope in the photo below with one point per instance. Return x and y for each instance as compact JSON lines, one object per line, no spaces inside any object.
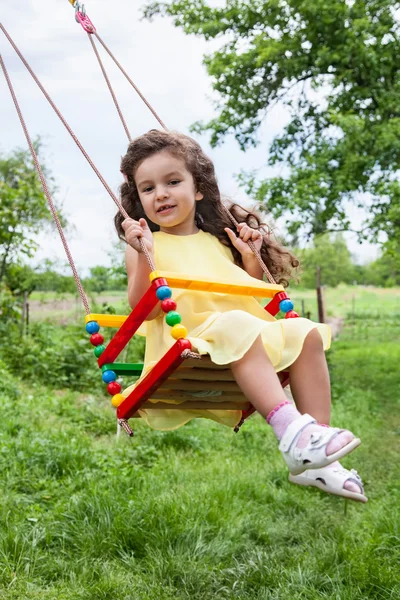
{"x":131,"y":82}
{"x":112,"y":195}
{"x":77,"y":142}
{"x":190,"y":354}
{"x":109,"y":87}
{"x":46,"y":190}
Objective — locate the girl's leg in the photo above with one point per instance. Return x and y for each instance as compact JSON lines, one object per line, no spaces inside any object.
{"x":258,"y":381}
{"x":310,"y":385}
{"x":309,"y":379}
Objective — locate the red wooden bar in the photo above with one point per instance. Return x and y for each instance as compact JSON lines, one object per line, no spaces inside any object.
{"x":132,"y":323}
{"x":273,"y":306}
{"x":158,"y":374}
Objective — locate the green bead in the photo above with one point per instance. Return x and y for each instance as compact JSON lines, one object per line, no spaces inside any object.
{"x":173,"y":318}
{"x":99,"y":350}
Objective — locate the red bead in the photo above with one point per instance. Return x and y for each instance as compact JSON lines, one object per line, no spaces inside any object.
{"x":113,"y":388}
{"x":167,"y":305}
{"x":292,"y":314}
{"x":96,"y":339}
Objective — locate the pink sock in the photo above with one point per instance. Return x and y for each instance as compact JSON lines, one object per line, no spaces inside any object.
{"x":281,"y":416}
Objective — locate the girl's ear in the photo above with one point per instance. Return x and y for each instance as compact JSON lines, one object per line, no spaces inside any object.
{"x":199,"y":196}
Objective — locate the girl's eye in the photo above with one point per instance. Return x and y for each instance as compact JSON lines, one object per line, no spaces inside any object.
{"x":148,"y":189}
{"x":174,"y":182}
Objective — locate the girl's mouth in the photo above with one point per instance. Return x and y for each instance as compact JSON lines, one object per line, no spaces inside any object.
{"x":163,"y":210}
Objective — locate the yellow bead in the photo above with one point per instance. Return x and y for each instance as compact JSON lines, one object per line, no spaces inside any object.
{"x":117,"y":400}
{"x":178,"y":332}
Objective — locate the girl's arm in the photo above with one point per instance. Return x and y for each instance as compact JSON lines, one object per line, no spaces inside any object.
{"x":138,"y":271}
{"x":252,"y":266}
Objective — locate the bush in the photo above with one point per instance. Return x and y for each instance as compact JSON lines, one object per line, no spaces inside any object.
{"x":56,"y":356}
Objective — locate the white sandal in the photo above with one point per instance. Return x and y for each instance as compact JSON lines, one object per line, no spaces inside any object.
{"x":313,"y":456}
{"x":332,"y":481}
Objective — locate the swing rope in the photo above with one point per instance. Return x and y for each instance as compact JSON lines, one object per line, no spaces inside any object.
{"x":121,"y":116}
{"x":90,"y":30}
{"x":46,"y":190}
{"x":81,"y":148}
{"x":130,"y":81}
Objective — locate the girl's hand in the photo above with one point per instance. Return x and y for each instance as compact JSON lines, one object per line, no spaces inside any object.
{"x":134,"y":230}
{"x":246,"y":233}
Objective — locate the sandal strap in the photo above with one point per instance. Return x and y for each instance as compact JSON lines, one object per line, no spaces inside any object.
{"x":294,"y":430}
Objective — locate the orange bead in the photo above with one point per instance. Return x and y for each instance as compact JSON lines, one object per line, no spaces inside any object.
{"x":117,"y":400}
{"x":178,"y":332}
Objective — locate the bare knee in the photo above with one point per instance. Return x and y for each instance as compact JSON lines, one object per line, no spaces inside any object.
{"x":256,"y":351}
{"x":313,"y":342}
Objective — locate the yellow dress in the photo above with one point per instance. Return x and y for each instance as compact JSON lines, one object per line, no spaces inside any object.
{"x":221,"y":325}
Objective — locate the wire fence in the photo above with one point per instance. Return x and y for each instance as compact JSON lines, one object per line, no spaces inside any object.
{"x":373,"y":325}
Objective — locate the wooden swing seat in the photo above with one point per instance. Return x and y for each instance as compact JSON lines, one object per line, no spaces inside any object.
{"x":201,"y":385}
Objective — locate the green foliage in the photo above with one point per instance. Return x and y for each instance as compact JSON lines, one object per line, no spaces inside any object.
{"x":99,"y":279}
{"x":23,"y":208}
{"x":200,"y":512}
{"x":334,"y":66}
{"x":56,"y":356}
{"x":332,"y":256}
{"x":385,"y":271}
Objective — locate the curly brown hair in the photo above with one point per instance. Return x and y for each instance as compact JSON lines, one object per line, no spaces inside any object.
{"x":210,"y":213}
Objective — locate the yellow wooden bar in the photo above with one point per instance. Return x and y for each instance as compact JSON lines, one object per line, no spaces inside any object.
{"x":106,"y":320}
{"x":261,"y":289}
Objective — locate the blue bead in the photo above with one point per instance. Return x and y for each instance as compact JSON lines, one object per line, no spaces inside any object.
{"x":109,"y":376}
{"x":163,"y":292}
{"x":286,"y":305}
{"x":92,"y":327}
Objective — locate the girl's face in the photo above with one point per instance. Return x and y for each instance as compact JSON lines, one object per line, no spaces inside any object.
{"x":168,"y":194}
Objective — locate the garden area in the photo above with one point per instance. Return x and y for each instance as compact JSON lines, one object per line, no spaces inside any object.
{"x":200,"y":512}
{"x":312,"y":142}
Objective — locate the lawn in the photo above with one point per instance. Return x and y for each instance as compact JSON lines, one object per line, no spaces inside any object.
{"x":200,"y":513}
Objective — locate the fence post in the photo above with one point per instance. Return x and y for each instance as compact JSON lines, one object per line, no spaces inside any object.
{"x":320,"y":301}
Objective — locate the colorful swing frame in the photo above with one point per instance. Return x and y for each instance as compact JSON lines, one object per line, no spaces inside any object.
{"x":128,"y":407}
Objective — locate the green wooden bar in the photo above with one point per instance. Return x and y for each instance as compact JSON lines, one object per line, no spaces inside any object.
{"x":134,"y":369}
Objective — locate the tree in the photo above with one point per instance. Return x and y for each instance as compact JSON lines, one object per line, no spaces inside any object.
{"x":331,"y":254}
{"x":335,"y":66}
{"x":23,"y":208}
{"x":99,"y":279}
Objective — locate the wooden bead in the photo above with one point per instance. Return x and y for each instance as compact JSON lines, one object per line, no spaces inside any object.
{"x":117,"y":400}
{"x":92,"y":327}
{"x":98,"y":351}
{"x":109,"y":376}
{"x":178,"y":332}
{"x":164,"y":292}
{"x":173,"y":318}
{"x":292,"y":314}
{"x":168,"y":305}
{"x":96,"y":339}
{"x":286,"y":305}
{"x":113,"y":388}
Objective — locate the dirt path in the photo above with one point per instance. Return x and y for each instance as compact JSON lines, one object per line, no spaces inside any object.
{"x":336,"y":325}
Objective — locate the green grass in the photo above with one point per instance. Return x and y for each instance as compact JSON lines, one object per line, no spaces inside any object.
{"x":344,"y":300}
{"x":200,"y":513}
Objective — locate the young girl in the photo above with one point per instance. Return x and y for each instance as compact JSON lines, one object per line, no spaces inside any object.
{"x":172,"y":197}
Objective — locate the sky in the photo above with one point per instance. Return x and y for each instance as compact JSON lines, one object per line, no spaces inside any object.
{"x":167,"y":67}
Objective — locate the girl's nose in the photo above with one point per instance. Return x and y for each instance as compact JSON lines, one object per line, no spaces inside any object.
{"x":161,"y":192}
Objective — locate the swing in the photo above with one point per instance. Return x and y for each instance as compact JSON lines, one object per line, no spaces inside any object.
{"x":181,"y":374}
